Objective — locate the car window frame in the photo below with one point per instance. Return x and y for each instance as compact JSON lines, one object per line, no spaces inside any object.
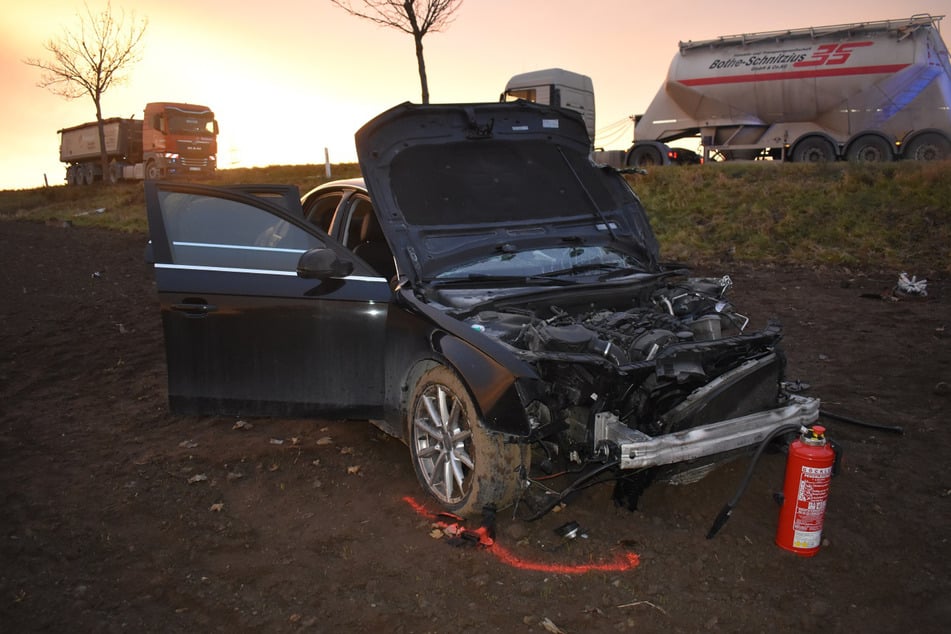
{"x":161,"y":248}
{"x":308,"y":210}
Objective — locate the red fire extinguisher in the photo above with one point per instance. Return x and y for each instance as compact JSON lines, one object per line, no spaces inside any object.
{"x":805,"y":492}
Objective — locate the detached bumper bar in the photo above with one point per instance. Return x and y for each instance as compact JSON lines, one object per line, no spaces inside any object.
{"x":638,"y":450}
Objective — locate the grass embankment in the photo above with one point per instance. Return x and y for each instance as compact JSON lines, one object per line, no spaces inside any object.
{"x":895,"y":216}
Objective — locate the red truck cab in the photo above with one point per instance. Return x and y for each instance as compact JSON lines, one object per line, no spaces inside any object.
{"x":179,"y":139}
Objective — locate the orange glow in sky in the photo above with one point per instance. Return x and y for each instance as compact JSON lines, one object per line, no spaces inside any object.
{"x":288,"y":78}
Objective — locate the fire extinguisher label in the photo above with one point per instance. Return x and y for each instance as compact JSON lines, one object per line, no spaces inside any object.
{"x":811,"y":506}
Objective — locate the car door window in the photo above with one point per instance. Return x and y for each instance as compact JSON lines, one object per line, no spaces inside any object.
{"x":219,"y":232}
{"x":320,"y":211}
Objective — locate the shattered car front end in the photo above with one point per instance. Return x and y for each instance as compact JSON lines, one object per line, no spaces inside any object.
{"x":656,"y":374}
{"x":621,"y":365}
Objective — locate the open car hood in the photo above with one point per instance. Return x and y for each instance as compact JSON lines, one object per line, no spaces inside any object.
{"x":453,"y":183}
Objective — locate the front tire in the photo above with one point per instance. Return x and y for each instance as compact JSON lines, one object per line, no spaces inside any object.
{"x":460,"y":463}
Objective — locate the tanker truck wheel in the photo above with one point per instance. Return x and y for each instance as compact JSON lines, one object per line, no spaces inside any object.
{"x":152,"y":171}
{"x":72,"y":178}
{"x":813,"y":150}
{"x":644,"y":156}
{"x":929,"y":147}
{"x":870,"y":149}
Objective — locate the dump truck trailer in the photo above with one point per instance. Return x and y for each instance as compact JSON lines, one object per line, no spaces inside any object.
{"x":173,"y":139}
{"x":867,"y":91}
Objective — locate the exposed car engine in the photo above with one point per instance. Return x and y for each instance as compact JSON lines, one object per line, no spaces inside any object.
{"x":676,"y":359}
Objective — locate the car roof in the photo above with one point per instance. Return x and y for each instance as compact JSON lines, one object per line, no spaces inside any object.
{"x":357,"y":184}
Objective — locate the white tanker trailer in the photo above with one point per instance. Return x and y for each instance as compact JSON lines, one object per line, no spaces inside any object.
{"x":870,"y":91}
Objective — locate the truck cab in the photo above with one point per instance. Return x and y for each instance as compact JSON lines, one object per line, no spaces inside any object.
{"x":179,"y":139}
{"x":574,"y":91}
{"x":555,"y":87}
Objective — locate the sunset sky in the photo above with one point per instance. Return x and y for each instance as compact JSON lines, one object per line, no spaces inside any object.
{"x":288,"y":78}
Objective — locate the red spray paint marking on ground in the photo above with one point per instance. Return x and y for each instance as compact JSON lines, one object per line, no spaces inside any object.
{"x":622,"y":563}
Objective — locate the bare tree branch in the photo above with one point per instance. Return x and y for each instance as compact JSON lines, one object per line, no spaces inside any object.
{"x":415,"y":17}
{"x":404,"y":14}
{"x":91,"y":59}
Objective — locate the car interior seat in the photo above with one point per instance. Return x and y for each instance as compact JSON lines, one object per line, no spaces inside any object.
{"x":372,"y":247}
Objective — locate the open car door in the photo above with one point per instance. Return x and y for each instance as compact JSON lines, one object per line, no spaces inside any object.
{"x":244,"y":333}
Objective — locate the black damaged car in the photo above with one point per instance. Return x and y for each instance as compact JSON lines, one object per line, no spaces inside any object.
{"x":489,"y":296}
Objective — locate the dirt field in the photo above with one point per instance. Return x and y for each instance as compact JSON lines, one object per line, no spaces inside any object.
{"x":117,"y":516}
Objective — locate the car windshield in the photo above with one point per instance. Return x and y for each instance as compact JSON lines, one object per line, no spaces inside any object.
{"x":546,"y":262}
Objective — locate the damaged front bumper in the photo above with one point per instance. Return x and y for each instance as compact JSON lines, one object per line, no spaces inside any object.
{"x":636,"y":450}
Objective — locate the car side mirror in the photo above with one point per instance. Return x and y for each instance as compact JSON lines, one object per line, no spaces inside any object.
{"x":321,"y":264}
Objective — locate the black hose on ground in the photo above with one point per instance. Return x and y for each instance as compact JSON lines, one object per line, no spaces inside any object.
{"x":727,"y":510}
{"x":574,"y":486}
{"x":895,"y":429}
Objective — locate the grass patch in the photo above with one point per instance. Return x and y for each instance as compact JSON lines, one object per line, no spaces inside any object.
{"x":893,"y":216}
{"x":122,"y":207}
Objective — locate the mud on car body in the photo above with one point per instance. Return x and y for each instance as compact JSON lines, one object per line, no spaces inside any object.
{"x":488,"y":295}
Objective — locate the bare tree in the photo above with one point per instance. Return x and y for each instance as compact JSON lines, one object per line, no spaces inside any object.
{"x":92,"y":59}
{"x":416,"y":17}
